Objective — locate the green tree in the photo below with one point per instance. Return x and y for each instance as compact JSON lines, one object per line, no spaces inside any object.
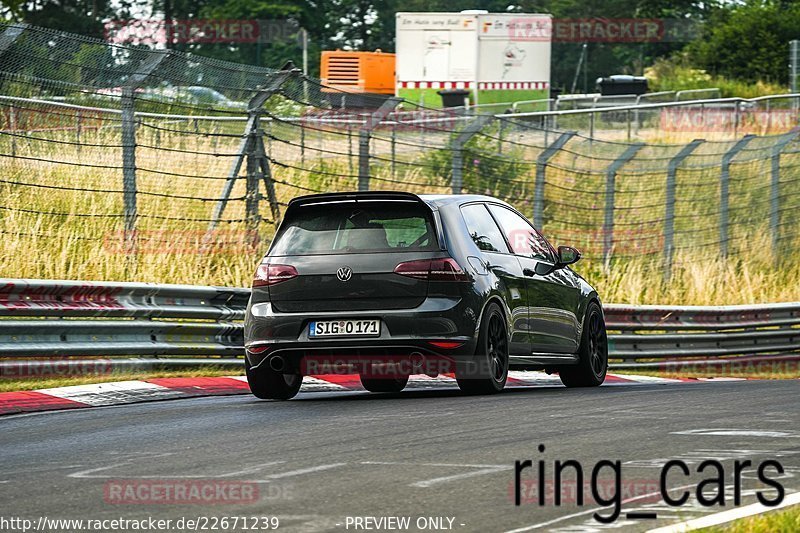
{"x":749,"y":42}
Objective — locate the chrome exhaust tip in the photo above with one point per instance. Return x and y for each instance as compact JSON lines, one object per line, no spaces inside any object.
{"x":277,"y":363}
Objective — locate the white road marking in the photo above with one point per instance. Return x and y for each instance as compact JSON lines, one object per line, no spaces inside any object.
{"x":738,"y":433}
{"x":727,"y":516}
{"x":300,"y":472}
{"x":590,"y":511}
{"x":477,"y":470}
{"x":446,"y":479}
{"x":645,"y":379}
{"x":430,"y":464}
{"x":88,"y":474}
{"x":117,"y":392}
{"x":533,"y":377}
{"x":311,"y":383}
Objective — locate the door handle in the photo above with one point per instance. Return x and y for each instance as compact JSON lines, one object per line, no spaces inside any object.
{"x":528,"y":272}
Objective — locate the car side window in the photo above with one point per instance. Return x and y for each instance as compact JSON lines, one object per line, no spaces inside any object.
{"x":483,"y":229}
{"x":522,"y":236}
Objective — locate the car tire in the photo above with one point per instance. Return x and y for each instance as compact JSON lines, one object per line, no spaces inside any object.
{"x":267,"y":384}
{"x":491,"y":356}
{"x":593,"y":352}
{"x":384,"y":384}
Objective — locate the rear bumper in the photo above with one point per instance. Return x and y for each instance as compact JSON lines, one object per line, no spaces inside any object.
{"x":403,"y":332}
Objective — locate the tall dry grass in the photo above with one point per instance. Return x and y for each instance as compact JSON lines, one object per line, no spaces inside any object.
{"x":35,"y":243}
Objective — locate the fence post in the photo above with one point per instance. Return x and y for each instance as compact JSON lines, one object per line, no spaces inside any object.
{"x":500,"y":131}
{"x":252,"y":126}
{"x":364,"y":136}
{"x":774,"y":193}
{"x":266,"y":175}
{"x":12,"y":123}
{"x":363,"y":159}
{"x":128,"y":125}
{"x":302,"y":145}
{"x":128,"y":131}
{"x":628,"y":121}
{"x":251,"y":184}
{"x":541,"y":167}
{"x":7,"y":39}
{"x":611,"y":178}
{"x":669,"y":209}
{"x":78,"y":124}
{"x":724,"y":196}
{"x":351,"y":171}
{"x":457,"y":146}
{"x":394,"y":150}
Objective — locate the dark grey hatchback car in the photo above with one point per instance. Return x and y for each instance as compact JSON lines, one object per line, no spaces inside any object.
{"x":388,"y":284}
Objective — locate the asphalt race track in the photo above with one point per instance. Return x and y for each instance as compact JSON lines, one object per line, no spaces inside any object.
{"x":327,"y":456}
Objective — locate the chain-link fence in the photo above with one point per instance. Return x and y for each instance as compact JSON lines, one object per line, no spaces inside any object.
{"x":119,"y":150}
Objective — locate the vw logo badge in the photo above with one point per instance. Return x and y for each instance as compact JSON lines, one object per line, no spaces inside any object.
{"x":344,"y":273}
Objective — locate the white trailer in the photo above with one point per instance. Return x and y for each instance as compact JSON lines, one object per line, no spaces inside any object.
{"x":497,"y":57}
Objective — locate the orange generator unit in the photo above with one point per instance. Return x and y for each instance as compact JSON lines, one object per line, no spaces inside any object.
{"x":357,"y":73}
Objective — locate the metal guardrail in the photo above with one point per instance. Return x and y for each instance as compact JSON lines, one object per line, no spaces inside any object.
{"x":54,"y":318}
{"x":652,"y":332}
{"x":794,"y":97}
{"x":73,"y":318}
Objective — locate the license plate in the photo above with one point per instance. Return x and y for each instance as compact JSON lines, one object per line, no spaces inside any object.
{"x":344,"y":328}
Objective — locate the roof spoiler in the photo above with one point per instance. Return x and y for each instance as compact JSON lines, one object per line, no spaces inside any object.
{"x":353,"y":196}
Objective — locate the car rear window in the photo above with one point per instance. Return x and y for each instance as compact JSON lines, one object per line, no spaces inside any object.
{"x":355,"y":228}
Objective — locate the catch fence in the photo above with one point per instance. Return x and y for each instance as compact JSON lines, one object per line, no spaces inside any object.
{"x":122,"y":151}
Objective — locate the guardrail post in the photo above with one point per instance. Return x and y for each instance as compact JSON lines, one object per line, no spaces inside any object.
{"x":724,"y":196}
{"x":669,"y":210}
{"x":774,"y":193}
{"x":364,"y":135}
{"x":611,"y":177}
{"x":457,"y":146}
{"x":541,"y":168}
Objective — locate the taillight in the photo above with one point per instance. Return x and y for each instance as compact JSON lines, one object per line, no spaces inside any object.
{"x":258,"y":349}
{"x":446,"y":269}
{"x":269,"y":274}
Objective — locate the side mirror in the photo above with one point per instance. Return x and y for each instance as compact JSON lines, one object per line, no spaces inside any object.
{"x":567,"y":255}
